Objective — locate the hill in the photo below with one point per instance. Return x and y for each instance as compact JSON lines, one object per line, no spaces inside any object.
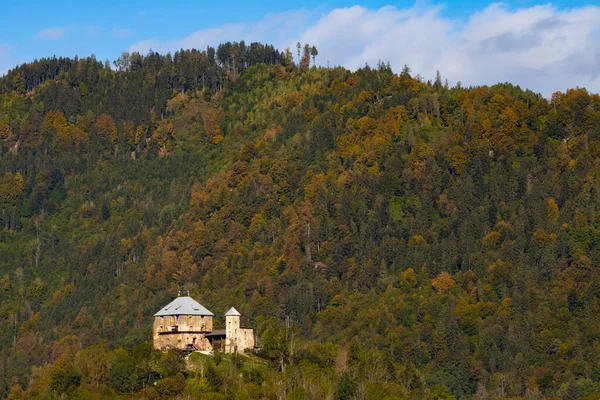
{"x":385,"y":236}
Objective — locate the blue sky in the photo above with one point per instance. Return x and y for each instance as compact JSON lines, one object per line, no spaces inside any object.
{"x":475,"y":42}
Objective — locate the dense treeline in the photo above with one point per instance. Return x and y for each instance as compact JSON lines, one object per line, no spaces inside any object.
{"x":141,"y":84}
{"x":385,"y":236}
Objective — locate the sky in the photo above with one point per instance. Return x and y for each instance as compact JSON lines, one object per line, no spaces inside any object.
{"x":542,"y":46}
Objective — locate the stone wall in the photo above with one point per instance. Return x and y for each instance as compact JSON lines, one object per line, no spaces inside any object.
{"x":245,"y":339}
{"x":237,"y":338}
{"x":180,"y":341}
{"x":179,"y":331}
{"x":184,"y":323}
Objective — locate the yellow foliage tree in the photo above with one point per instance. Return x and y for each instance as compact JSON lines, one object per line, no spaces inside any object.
{"x":53,"y":122}
{"x":418,"y":240}
{"x":491,"y":239}
{"x":106,"y":127}
{"x":409,"y":278}
{"x":128,"y":129}
{"x":64,"y":138}
{"x":5,"y":131}
{"x":443,"y":282}
{"x":11,"y":188}
{"x":458,"y":158}
{"x":213,"y":120}
{"x":553,"y":212}
{"x":81,"y":138}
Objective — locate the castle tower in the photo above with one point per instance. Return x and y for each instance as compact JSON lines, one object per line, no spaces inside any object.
{"x":233,"y":331}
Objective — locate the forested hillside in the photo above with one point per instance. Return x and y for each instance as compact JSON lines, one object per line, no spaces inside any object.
{"x":385,"y":236}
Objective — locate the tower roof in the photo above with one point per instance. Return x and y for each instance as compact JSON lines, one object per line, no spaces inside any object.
{"x":183,"y":305}
{"x":232,"y":313}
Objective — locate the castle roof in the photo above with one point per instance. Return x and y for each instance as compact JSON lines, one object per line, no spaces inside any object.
{"x":233,"y":313}
{"x":183,"y":305}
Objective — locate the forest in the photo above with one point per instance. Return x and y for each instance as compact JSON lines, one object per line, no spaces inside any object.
{"x":386,"y":236}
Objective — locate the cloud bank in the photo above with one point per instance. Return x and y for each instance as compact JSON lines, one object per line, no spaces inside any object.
{"x":53,"y":33}
{"x":277,"y":29}
{"x":541,"y":48}
{"x":121,"y":32}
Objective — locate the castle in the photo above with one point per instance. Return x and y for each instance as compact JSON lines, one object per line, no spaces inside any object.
{"x":187,"y":325}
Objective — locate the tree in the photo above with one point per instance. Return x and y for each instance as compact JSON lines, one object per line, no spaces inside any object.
{"x":213,"y":378}
{"x":553,"y":211}
{"x":314,"y":53}
{"x":53,"y":122}
{"x":171,"y":387}
{"x":214,"y":119}
{"x":173,"y":362}
{"x":107,"y":128}
{"x":443,"y":283}
{"x":19,"y":83}
{"x":305,"y":60}
{"x":346,"y":388}
{"x":439,"y":392}
{"x":5,"y":131}
{"x":57,"y":379}
{"x":405,"y":74}
{"x":123,"y":62}
{"x":122,"y":372}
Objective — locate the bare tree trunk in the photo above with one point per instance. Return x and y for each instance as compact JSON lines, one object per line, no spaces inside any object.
{"x":15,"y":329}
{"x":38,"y":251}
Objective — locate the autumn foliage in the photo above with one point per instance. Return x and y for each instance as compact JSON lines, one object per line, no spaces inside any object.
{"x":385,"y":236}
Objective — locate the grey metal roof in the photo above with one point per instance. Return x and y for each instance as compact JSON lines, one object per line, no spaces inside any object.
{"x":184,"y":305}
{"x":233,"y":313}
{"x":216,"y":332}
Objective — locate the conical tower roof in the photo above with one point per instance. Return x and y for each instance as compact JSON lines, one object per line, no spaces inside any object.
{"x":232,"y":313}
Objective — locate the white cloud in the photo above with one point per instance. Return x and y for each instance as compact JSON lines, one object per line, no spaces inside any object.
{"x":53,"y":33}
{"x":144,"y":46}
{"x":542,"y":48}
{"x":121,"y":32}
{"x":277,"y":29}
{"x":93,"y":31}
